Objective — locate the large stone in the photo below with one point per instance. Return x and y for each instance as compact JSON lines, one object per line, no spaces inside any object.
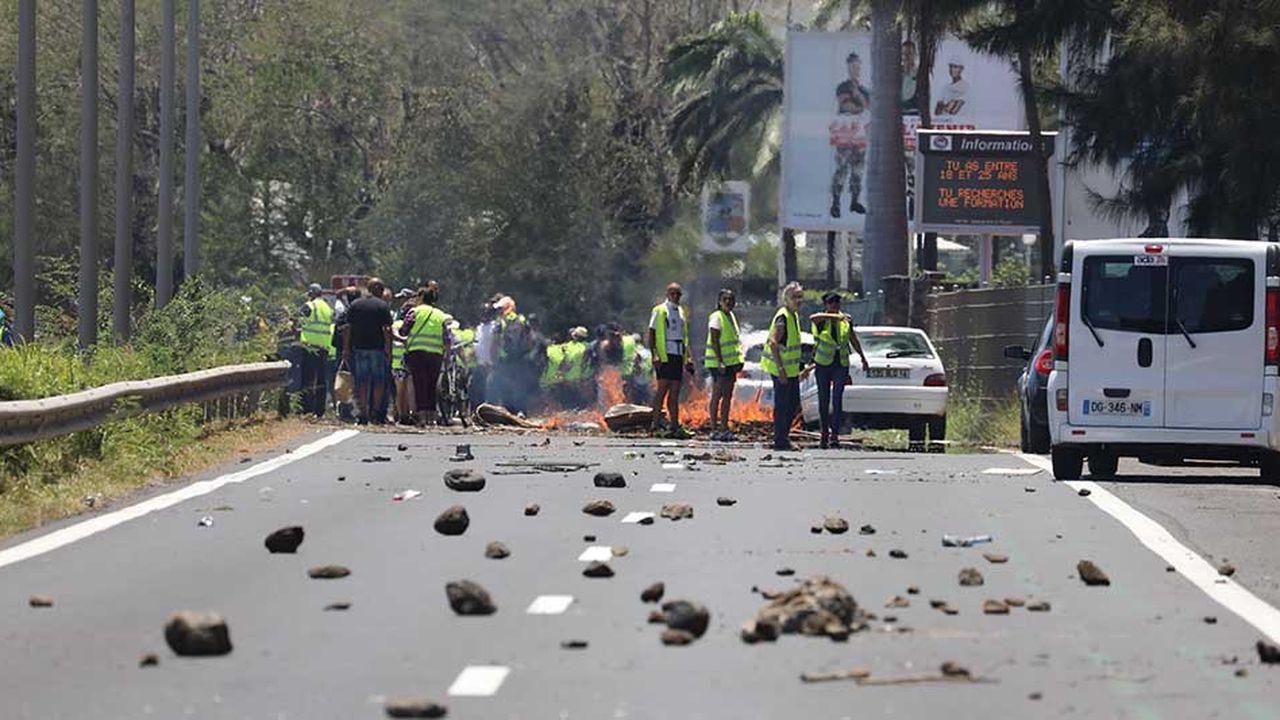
{"x":1092,"y":574}
{"x":1268,"y":653}
{"x":995,"y":607}
{"x":676,"y":637}
{"x":677,"y":511}
{"x":40,"y":601}
{"x":970,"y":577}
{"x":413,"y":707}
{"x":688,"y":616}
{"x":598,"y":569}
{"x":464,"y":480}
{"x":610,"y":480}
{"x":599,"y":508}
{"x":653,"y":593}
{"x":626,"y":416}
{"x":197,"y":634}
{"x":724,"y":501}
{"x":819,"y":606}
{"x":329,"y":572}
{"x":468,"y":598}
{"x":532,"y":509}
{"x":285,"y":540}
{"x":835,"y":524}
{"x":496,"y":550}
{"x":453,"y":521}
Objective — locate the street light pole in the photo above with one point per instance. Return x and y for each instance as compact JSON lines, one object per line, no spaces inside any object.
{"x":88,"y":309}
{"x":122,"y":292}
{"x":164,"y":233}
{"x":191,"y":225}
{"x":24,"y":286}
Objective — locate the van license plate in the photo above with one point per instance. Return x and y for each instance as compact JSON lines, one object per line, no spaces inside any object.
{"x":1121,"y":408}
{"x":893,"y":373}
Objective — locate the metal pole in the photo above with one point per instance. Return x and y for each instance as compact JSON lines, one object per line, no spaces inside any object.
{"x":24,"y":286}
{"x":88,"y":310}
{"x":122,"y":294}
{"x":164,"y":234}
{"x":190,"y":228}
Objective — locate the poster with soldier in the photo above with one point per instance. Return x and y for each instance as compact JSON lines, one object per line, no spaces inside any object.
{"x":827,"y":117}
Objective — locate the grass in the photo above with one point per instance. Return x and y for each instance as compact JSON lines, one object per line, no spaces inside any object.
{"x":130,"y":456}
{"x":973,"y":423}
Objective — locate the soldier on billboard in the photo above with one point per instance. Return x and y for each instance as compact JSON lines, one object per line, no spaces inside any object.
{"x":848,"y":134}
{"x":956,"y":94}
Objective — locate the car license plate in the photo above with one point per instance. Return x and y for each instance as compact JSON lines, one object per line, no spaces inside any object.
{"x":1118,"y":408}
{"x":890,"y":373}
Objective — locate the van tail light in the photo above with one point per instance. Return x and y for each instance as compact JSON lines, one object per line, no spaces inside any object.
{"x":1062,"y":319}
{"x":1044,"y":363}
{"x":936,"y":380}
{"x":1060,"y":399}
{"x":1273,"y":326}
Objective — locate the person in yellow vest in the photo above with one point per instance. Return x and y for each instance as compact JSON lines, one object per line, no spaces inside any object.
{"x":669,"y":343}
{"x":723,"y":360}
{"x":833,"y":337}
{"x":781,"y":360}
{"x":576,"y":369}
{"x":425,"y":334}
{"x":315,"y":335}
{"x":400,"y":371}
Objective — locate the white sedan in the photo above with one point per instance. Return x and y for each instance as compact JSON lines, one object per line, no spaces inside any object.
{"x":905,"y":388}
{"x":754,"y":384}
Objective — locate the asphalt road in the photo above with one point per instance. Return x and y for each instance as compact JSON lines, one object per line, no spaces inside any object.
{"x":1140,"y":648}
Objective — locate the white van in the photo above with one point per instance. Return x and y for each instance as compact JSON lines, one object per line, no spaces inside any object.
{"x":1165,"y":350}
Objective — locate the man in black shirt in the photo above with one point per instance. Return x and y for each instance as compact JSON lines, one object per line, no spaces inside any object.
{"x":367,"y":351}
{"x":849,"y":136}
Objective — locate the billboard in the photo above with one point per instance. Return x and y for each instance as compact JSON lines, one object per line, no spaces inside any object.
{"x":980,"y":182}
{"x":726,"y":209}
{"x":827,"y":113}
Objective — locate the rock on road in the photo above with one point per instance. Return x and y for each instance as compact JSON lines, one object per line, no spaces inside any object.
{"x":1140,"y":647}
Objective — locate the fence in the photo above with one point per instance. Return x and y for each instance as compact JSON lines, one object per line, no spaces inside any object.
{"x":225,"y":390}
{"x":972,"y":327}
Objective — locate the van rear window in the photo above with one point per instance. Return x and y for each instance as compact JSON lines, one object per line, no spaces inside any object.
{"x":1205,"y":295}
{"x":1118,"y":295}
{"x":1212,"y":294}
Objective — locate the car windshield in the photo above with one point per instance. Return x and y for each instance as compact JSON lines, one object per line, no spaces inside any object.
{"x":892,"y":344}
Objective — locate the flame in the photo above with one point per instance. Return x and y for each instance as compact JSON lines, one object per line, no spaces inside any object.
{"x":695,"y":409}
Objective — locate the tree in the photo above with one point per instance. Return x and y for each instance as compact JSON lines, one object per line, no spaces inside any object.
{"x":885,"y":250}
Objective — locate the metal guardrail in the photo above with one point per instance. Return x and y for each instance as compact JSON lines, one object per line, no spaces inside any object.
{"x":23,"y":421}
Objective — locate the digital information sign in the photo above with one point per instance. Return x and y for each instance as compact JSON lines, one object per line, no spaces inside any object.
{"x":978,"y":182}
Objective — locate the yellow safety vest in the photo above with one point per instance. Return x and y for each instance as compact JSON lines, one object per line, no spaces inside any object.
{"x":790,"y":351}
{"x":628,"y":355}
{"x":428,"y":330}
{"x":826,"y":347}
{"x":575,"y":360}
{"x":660,"y":330}
{"x":397,"y":348}
{"x":317,"y":328}
{"x":729,"y":347}
{"x":555,"y":358}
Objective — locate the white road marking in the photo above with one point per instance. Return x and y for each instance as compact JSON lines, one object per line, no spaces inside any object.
{"x":1225,"y":591}
{"x":549,"y":604}
{"x":95,"y":525}
{"x":596,"y":553}
{"x":879,"y":471}
{"x":479,"y":680}
{"x":1011,"y":471}
{"x":635,"y":517}
{"x":662,"y":487}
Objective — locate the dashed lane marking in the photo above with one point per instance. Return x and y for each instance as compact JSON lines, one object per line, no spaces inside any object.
{"x":596,"y":553}
{"x":479,"y":681}
{"x":662,"y":487}
{"x":635,"y":517}
{"x":549,"y":604}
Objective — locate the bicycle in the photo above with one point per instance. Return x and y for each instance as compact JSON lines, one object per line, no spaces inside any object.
{"x":451,"y":393}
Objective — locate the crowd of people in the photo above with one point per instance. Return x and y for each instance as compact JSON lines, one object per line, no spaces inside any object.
{"x":408,"y":360}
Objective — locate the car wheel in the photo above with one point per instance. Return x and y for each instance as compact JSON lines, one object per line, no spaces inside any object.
{"x":937,"y":433}
{"x":1067,"y":463}
{"x":915,"y":436}
{"x":1269,"y":467}
{"x":1103,"y":464}
{"x":1038,"y":440}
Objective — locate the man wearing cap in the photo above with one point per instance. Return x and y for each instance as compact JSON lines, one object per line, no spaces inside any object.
{"x":669,"y":343}
{"x":833,"y":337}
{"x":315,"y":335}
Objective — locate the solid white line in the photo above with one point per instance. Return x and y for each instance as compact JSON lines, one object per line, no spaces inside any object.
{"x":549,"y":604}
{"x":1011,"y":471}
{"x":479,"y":680}
{"x":596,"y":553}
{"x":1227,"y":592}
{"x":662,"y":487}
{"x":95,"y":525}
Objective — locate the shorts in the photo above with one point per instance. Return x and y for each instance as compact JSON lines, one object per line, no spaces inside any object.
{"x":729,"y":371}
{"x":672,"y":369}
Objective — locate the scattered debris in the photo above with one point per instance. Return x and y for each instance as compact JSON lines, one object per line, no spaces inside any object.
{"x":1035,"y":696}
{"x":206,"y":521}
{"x":573,"y":644}
{"x":1226,"y":569}
{"x":687,"y":616}
{"x":944,"y":606}
{"x":835,"y":524}
{"x":898,"y":554}
{"x":1242,"y":672}
{"x":897,"y":601}
{"x":653,"y":593}
{"x":1091,"y":574}
{"x":342,"y":478}
{"x":871,"y":552}
{"x":376,"y":459}
{"x":1028,"y":489}
{"x":995,"y":607}
{"x":40,"y":601}
{"x":1210,"y":620}
{"x":599,"y":508}
{"x":413,"y":707}
{"x":1268,"y":653}
{"x":339,"y":606}
{"x":913,"y":590}
{"x":657,"y":618}
{"x":1014,"y":601}
{"x":815,"y":529}
{"x":1041,"y":606}
{"x":957,"y":541}
{"x":464,"y":480}
{"x":496,"y":550}
{"x":402,"y":447}
{"x":857,"y":673}
{"x":818,"y":607}
{"x":588,"y":538}
{"x":497,"y":415}
{"x":453,"y":521}
{"x":468,"y":598}
{"x":597,"y":569}
{"x":1084,"y":492}
{"x":723,"y":501}
{"x":610,"y":480}
{"x":867,"y":530}
{"x":626,"y":416}
{"x":329,"y":572}
{"x":970,"y":577}
{"x":149,"y":660}
{"x":462,"y":453}
{"x":646,"y":520}
{"x":404,"y":495}
{"x":996,"y":558}
{"x":532,"y":509}
{"x":677,"y":511}
{"x":619,"y":550}
{"x":1170,"y":568}
{"x":285,"y":540}
{"x":676,"y":637}
{"x":785,"y":572}
{"x":194,"y":633}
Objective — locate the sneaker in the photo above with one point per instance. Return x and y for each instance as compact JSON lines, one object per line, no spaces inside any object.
{"x":679,"y":433}
{"x":858,"y":208}
{"x":729,"y":436}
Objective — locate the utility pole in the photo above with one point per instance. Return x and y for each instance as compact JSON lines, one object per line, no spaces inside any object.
{"x":122,"y":295}
{"x":88,"y":310}
{"x":191,"y":225}
{"x":24,"y":285}
{"x":164,"y":234}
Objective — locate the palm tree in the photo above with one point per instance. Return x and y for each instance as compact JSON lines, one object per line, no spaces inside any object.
{"x":885,"y":248}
